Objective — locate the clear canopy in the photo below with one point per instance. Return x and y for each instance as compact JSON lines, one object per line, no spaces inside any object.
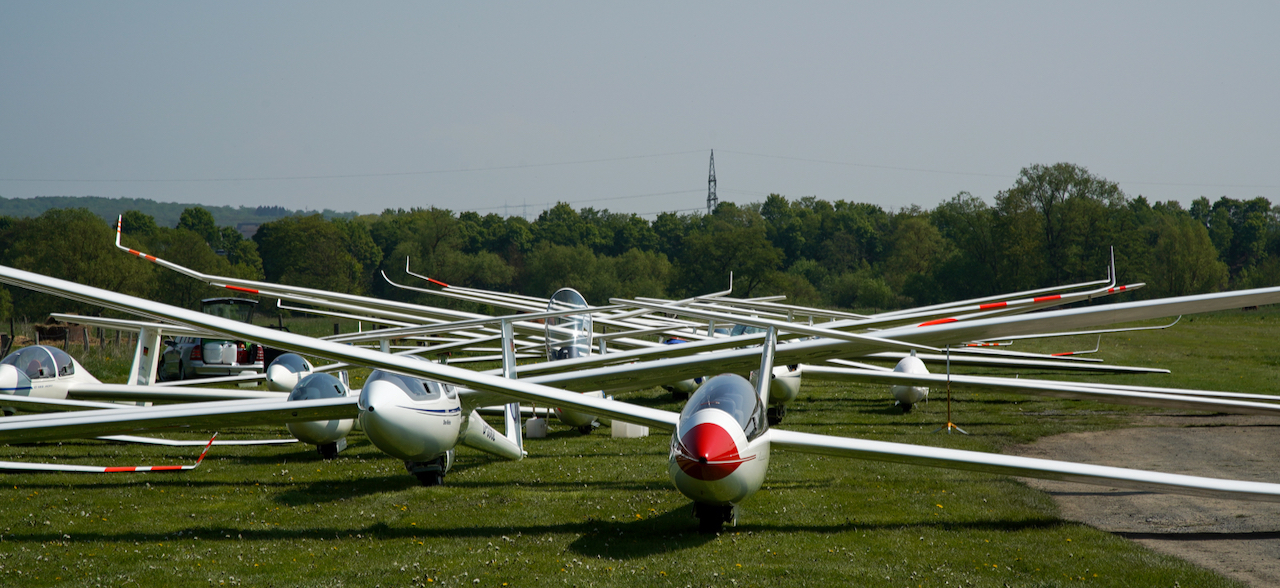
{"x":416,"y":389}
{"x":41,"y":361}
{"x":318,"y":386}
{"x":734,"y":395}
{"x":293,"y":362}
{"x":745,"y":330}
{"x":568,"y":336}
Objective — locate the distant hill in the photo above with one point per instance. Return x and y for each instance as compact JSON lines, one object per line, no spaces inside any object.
{"x":165,"y":213}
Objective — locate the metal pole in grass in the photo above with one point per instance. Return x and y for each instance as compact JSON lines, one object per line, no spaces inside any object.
{"x":950,"y":425}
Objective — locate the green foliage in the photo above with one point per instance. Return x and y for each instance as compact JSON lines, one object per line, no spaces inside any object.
{"x":72,"y":244}
{"x":358,"y":241}
{"x":138,"y":224}
{"x":1185,"y":261}
{"x":435,"y":244}
{"x":166,"y":214}
{"x":551,"y":267}
{"x":597,"y":277}
{"x":917,"y":247}
{"x":562,"y":225}
{"x":861,"y":290}
{"x":199,"y":221}
{"x":1070,"y":203}
{"x":188,"y":249}
{"x":310,"y":252}
{"x":1057,"y":224}
{"x":732,"y":239}
{"x":6,"y":304}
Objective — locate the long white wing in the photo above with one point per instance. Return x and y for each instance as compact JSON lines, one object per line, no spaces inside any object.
{"x":94,"y":423}
{"x":1070,"y":365}
{"x":190,"y":443}
{"x":126,"y":392}
{"x":1146,"y":396}
{"x":1024,"y":466}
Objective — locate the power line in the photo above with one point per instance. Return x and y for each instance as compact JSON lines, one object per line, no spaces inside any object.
{"x":666,"y":211}
{"x":342,"y":176}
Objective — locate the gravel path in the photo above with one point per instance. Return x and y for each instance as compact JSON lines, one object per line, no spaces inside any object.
{"x":1238,"y":539}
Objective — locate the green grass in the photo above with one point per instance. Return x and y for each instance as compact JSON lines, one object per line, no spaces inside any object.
{"x":600,"y":511}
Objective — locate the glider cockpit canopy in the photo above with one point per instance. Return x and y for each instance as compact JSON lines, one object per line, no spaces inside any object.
{"x":569,"y":336}
{"x":415,"y":388}
{"x":40,"y":362}
{"x":733,"y":395}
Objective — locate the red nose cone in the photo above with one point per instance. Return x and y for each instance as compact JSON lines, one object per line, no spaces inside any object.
{"x":708,"y":453}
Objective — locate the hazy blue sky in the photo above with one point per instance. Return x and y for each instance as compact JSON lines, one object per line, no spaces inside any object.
{"x":477,"y":106}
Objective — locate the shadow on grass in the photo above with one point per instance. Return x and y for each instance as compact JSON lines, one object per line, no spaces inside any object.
{"x":330,"y":490}
{"x":669,"y":532}
{"x":599,"y":485}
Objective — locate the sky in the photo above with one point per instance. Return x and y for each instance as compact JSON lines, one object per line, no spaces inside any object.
{"x":511,"y":107}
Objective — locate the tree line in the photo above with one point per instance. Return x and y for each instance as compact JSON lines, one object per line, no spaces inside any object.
{"x":165,"y":213}
{"x":1055,"y":225}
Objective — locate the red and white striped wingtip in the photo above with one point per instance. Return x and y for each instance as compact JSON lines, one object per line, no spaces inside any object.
{"x":206,"y":450}
{"x":13,"y":466}
{"x":165,"y":468}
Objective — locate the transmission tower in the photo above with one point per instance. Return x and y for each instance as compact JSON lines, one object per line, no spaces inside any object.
{"x":711,"y":185}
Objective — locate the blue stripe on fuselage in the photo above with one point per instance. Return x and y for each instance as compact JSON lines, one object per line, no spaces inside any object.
{"x":446,"y":412}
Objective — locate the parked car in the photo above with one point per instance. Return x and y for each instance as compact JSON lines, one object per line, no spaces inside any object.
{"x":186,"y":358}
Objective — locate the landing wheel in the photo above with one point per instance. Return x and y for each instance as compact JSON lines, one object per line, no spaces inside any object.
{"x":906,"y":408}
{"x":776,"y":413}
{"x":430,"y":478}
{"x":328,"y":450}
{"x":428,"y":473}
{"x":678,"y":395}
{"x":712,"y":517}
{"x":586,"y":429}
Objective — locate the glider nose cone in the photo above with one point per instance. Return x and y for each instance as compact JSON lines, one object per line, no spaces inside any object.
{"x":398,"y":426}
{"x":13,"y":381}
{"x":708,"y":452}
{"x":286,"y":371}
{"x":280,"y":379}
{"x":910,"y":394}
{"x":378,"y":394}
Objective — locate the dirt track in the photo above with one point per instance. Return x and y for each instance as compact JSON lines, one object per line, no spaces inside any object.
{"x":1238,"y":539}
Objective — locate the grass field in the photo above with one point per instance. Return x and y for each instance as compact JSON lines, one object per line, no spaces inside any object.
{"x":592,"y":510}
